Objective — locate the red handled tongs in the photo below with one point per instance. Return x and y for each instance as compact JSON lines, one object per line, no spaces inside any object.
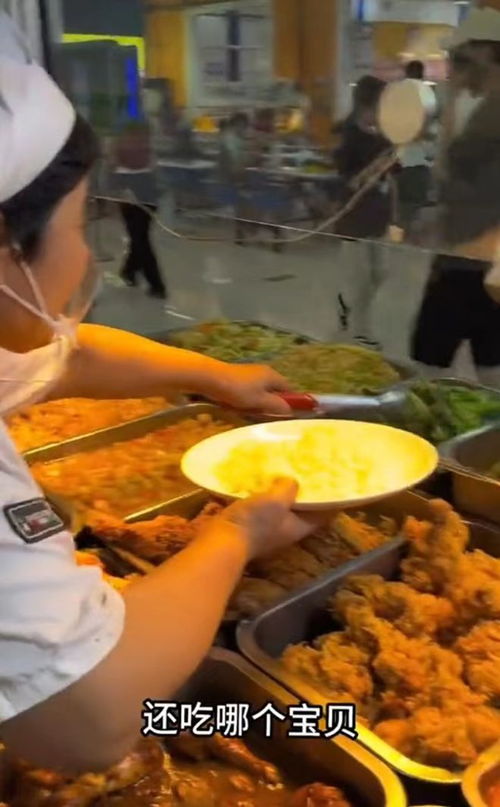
{"x":337,"y":404}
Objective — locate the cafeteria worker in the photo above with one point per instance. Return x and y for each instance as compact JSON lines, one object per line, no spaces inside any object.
{"x":77,"y":659}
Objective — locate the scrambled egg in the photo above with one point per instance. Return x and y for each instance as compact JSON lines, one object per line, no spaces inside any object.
{"x":326,"y":469}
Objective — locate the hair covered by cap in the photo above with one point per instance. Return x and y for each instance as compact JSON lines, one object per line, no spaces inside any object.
{"x":36,"y":120}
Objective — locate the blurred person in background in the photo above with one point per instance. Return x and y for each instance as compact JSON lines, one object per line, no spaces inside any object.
{"x":456,"y":306}
{"x":415,"y":70}
{"x":134,"y":174}
{"x":234,"y":153}
{"x":415,"y":178}
{"x":360,"y":144}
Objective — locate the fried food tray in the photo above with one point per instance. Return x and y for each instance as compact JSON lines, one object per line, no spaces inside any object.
{"x":67,"y":508}
{"x":190,"y":506}
{"x":468,"y":458}
{"x":480,"y":776}
{"x":303,"y":617}
{"x":225,"y":677}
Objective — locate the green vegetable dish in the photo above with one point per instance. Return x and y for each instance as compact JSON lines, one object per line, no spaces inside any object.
{"x":336,"y":369}
{"x":234,"y":341}
{"x":440,"y":412}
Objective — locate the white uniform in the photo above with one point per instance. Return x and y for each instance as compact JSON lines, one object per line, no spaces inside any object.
{"x":57,"y":620}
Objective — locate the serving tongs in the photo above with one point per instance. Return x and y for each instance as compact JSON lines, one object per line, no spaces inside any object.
{"x":382,"y":404}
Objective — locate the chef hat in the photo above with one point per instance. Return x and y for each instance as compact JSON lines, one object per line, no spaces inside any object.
{"x":481,"y":24}
{"x":36,"y":120}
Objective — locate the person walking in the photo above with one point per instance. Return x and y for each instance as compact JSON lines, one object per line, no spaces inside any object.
{"x":361,"y":143}
{"x":135,"y":176}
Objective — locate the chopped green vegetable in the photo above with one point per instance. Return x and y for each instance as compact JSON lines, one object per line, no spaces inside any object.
{"x":341,"y":369}
{"x":440,"y":411}
{"x":234,"y":341}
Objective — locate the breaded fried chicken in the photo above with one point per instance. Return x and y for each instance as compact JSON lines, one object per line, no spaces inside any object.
{"x":289,"y":568}
{"x":435,"y":549}
{"x":335,"y":667}
{"x":480,"y":652}
{"x":413,"y":613}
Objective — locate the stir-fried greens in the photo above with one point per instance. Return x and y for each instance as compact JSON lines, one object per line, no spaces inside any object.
{"x":234,"y":341}
{"x":336,"y":369}
{"x":440,"y":411}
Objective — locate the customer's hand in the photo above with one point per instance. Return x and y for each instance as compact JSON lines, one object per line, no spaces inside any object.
{"x":252,"y":387}
{"x":266,"y":523}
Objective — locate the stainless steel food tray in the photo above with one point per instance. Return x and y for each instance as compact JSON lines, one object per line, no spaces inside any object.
{"x":468,"y":458}
{"x":189,"y":507}
{"x":303,"y":617}
{"x":227,"y":678}
{"x":480,"y":776}
{"x":122,"y":433}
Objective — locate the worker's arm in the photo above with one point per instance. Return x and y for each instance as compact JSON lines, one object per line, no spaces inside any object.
{"x":111,"y":363}
{"x":171,"y":618}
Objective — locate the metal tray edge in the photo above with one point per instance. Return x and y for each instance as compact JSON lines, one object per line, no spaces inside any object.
{"x":68,"y":509}
{"x":486,"y":762}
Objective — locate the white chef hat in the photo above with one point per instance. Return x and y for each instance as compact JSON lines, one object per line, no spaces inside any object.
{"x":36,"y":120}
{"x":481,"y":24}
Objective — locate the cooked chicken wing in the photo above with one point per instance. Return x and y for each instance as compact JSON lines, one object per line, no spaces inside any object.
{"x":227,"y":749}
{"x":40,"y":788}
{"x":290,"y":568}
{"x":154,"y":540}
{"x":358,"y":534}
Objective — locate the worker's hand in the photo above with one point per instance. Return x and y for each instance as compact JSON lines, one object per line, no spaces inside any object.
{"x":266,"y":522}
{"x":253,"y":388}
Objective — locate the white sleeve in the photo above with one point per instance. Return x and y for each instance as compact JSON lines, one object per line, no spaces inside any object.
{"x":57,"y":620}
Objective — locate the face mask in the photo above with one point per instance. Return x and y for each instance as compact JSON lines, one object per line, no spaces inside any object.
{"x":26,"y":378}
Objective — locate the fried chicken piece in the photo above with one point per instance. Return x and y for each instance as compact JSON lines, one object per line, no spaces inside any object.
{"x":154,"y":540}
{"x":480,"y":652}
{"x":451,"y":736}
{"x":335,"y":667}
{"x":357,"y":533}
{"x":434,"y":549}
{"x":345,"y":666}
{"x":410,"y":666}
{"x":397,"y":733}
{"x":41,"y":788}
{"x":413,"y":613}
{"x":290,"y":568}
{"x":441,"y":738}
{"x":318,"y":795}
{"x":253,"y":595}
{"x":328,"y":548}
{"x":474,"y":588}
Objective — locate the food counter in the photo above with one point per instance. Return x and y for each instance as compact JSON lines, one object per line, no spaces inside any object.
{"x":395,"y":608}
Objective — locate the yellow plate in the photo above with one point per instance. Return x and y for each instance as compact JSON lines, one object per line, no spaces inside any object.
{"x":379,"y":461}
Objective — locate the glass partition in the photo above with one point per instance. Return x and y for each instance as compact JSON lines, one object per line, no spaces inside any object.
{"x":245,"y":168}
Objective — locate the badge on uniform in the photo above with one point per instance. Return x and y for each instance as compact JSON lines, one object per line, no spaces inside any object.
{"x":33,"y":520}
